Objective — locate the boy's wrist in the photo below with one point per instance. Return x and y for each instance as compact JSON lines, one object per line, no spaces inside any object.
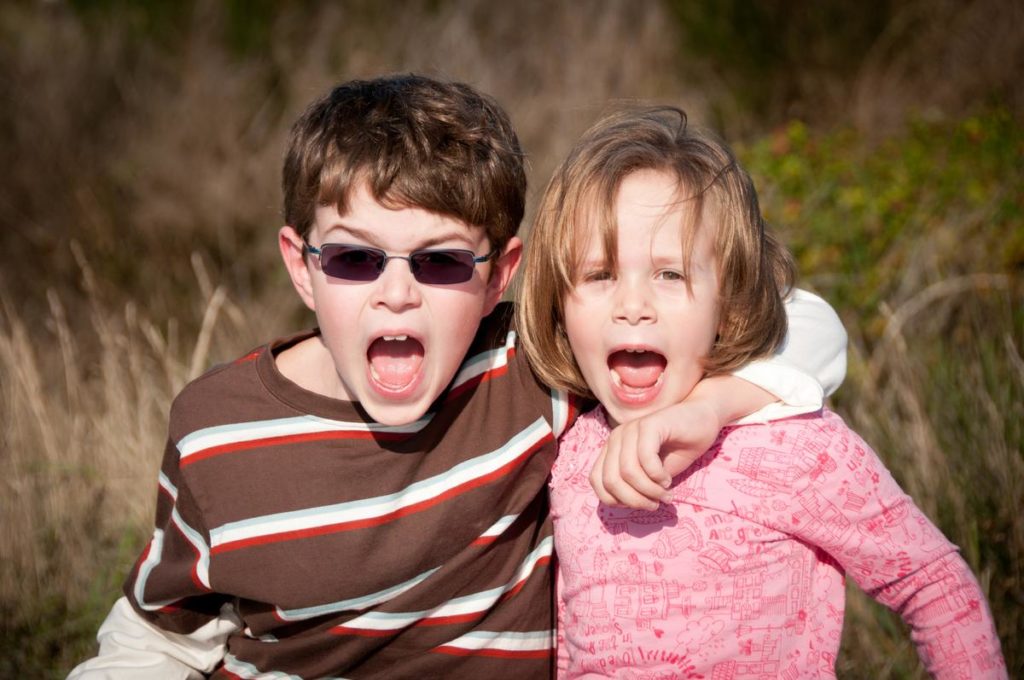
{"x":727,"y":398}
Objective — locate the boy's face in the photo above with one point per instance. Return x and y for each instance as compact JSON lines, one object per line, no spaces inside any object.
{"x":395,"y":343}
{"x":637,"y":333}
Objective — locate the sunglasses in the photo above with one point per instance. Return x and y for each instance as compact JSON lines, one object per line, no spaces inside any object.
{"x":436,"y":267}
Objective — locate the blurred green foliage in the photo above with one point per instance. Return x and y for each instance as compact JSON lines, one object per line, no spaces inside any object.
{"x":855,"y":212}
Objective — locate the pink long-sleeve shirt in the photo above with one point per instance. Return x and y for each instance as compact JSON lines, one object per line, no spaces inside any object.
{"x":742,"y":575}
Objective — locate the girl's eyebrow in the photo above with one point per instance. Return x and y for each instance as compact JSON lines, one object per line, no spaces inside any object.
{"x":594,"y":261}
{"x":677,"y":260}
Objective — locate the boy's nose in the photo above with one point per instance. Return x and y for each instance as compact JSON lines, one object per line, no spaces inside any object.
{"x":396,"y":288}
{"x":633,"y":303}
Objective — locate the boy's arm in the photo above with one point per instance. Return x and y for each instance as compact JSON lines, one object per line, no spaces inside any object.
{"x":131,"y":647}
{"x":642,"y":456}
{"x":808,"y":366}
{"x":170,"y":622}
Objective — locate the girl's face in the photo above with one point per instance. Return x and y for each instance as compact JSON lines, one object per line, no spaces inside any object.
{"x":637,"y":332}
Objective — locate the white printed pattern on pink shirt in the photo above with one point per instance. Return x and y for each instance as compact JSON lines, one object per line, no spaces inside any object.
{"x":742,"y":575}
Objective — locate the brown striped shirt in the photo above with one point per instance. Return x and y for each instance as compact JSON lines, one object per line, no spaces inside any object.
{"x":352,"y":549}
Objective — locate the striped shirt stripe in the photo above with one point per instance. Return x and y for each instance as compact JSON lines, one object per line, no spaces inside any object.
{"x":561,"y":411}
{"x":247,"y":671}
{"x":167,"y":486}
{"x":154,"y":554}
{"x":360,"y":602}
{"x":496,"y":530}
{"x":383,"y":509}
{"x":201,"y":569}
{"x":212,"y":441}
{"x":508,"y":644}
{"x":150,"y":559}
{"x":484,"y":362}
{"x":456,"y":610}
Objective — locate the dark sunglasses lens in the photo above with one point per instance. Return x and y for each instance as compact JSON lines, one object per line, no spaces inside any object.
{"x":442,"y":267}
{"x":351,"y":264}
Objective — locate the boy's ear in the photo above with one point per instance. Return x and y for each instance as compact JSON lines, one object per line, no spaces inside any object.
{"x":291,"y":246}
{"x":505,"y":266}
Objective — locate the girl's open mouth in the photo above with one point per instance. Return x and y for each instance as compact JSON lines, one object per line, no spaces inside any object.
{"x":636,"y":374}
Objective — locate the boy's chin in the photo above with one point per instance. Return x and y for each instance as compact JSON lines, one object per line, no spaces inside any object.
{"x":396,"y":412}
{"x":388,"y":405}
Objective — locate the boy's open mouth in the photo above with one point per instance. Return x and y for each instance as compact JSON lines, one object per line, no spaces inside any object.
{"x":395,"y":362}
{"x":636,"y":373}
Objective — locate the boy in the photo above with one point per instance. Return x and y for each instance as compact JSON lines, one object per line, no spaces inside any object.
{"x":368,"y":499}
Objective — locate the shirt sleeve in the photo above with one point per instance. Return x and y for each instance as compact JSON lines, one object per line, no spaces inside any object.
{"x":170,"y":621}
{"x":846,"y":503}
{"x":809,"y":365}
{"x":131,"y":647}
{"x":169,"y":585}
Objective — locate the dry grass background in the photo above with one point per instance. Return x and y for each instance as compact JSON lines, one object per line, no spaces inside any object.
{"x":141,"y":146}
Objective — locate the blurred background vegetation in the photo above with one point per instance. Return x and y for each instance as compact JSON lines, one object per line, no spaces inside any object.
{"x":141,"y":144}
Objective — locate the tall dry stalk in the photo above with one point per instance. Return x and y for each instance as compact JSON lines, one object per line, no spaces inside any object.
{"x":84,"y":413}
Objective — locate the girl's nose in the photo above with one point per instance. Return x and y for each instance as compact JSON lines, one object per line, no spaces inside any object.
{"x":633,"y":303}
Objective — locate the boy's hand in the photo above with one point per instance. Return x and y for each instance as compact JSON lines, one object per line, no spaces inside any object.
{"x":642,"y":456}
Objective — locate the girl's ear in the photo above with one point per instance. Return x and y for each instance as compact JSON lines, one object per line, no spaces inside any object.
{"x":292,"y":252}
{"x":504,"y":268}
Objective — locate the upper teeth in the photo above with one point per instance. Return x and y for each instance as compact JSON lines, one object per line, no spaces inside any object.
{"x":396,"y":337}
{"x":636,"y":351}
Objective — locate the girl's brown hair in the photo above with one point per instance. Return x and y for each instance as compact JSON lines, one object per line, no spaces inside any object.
{"x":755,"y":270}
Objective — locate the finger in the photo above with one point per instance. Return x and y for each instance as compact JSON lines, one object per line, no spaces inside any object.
{"x":633,"y":470}
{"x":678,"y":460}
{"x":648,"y":452}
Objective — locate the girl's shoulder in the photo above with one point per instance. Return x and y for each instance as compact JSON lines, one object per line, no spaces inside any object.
{"x":580,"y":445}
{"x":822,"y":423}
{"x":590,"y":426}
{"x":796,"y":446}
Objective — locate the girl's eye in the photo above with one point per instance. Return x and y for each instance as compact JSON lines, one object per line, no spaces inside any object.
{"x":670,"y":275}
{"x":596,"y":275}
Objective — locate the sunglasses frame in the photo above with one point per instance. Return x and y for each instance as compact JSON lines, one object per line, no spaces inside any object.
{"x":414,"y":268}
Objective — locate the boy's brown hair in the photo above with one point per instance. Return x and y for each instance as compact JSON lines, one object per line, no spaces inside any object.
{"x":416,"y":142}
{"x":755,"y":270}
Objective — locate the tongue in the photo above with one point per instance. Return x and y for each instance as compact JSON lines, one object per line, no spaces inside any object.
{"x":637,"y":369}
{"x":395,"y":362}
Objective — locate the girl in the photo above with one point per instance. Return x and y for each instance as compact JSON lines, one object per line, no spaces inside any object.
{"x":651,"y":246}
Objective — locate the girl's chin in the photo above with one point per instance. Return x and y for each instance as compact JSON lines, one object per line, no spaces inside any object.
{"x":634,"y":406}
{"x":619,"y":414}
{"x":634,"y":398}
